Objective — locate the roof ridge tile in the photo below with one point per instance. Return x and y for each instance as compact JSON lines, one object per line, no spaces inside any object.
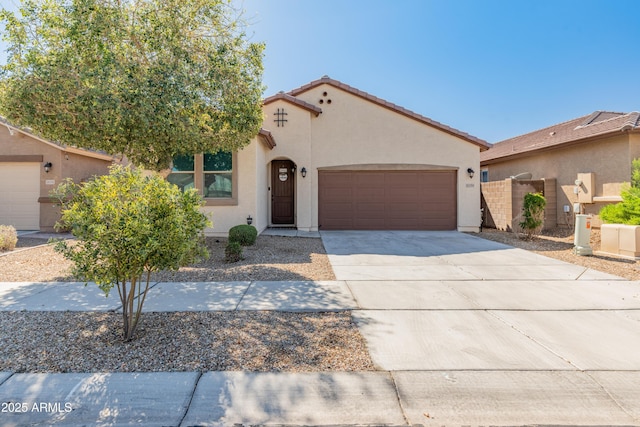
{"x":592,"y":121}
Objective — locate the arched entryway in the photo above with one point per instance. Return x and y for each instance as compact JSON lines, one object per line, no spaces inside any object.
{"x":283,"y":189}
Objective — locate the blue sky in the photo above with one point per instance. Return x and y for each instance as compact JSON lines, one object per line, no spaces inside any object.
{"x":492,"y":68}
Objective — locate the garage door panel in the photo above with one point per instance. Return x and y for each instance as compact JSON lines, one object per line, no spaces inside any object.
{"x":370,"y":214}
{"x":404,"y":211}
{"x":341,"y":194}
{"x":368,"y":193}
{"x":19,"y":193}
{"x":402,"y":179}
{"x":392,"y":200}
{"x":400,"y":195}
{"x":369,"y":179}
{"x":339,"y":210}
{"x":368,"y":224}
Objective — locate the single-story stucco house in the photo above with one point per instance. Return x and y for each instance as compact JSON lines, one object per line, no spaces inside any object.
{"x":331,"y":157}
{"x":589,"y":158}
{"x":30,"y":167}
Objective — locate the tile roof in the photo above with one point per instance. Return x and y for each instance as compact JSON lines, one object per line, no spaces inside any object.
{"x":267,"y":138}
{"x":292,"y":99}
{"x":82,"y":151}
{"x":393,"y":107}
{"x":595,"y":125}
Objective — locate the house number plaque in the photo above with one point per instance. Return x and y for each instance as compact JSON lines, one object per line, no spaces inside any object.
{"x":283,"y":174}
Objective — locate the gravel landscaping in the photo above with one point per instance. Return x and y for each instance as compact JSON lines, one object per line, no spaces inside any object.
{"x":558,"y":243}
{"x":205,"y":341}
{"x":183,"y":341}
{"x":271,"y":258}
{"x":191,"y":341}
{"x":289,"y":258}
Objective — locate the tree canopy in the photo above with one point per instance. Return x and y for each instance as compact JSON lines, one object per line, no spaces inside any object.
{"x":150,"y":79}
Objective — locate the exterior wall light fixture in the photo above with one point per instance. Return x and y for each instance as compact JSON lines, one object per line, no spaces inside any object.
{"x":303,"y":171}
{"x":470,"y":172}
{"x":47,"y":167}
{"x":249,"y":220}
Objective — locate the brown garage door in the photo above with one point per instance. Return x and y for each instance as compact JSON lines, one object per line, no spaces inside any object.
{"x":387,"y":200}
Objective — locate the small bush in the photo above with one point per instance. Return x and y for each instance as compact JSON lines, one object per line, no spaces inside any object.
{"x":533,"y":214}
{"x":233,"y":252}
{"x":244,"y":234}
{"x":626,"y":212}
{"x":8,"y":238}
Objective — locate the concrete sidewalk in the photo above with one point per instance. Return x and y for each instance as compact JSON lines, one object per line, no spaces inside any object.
{"x":448,"y":352}
{"x":339,"y":398}
{"x":466,"y":332}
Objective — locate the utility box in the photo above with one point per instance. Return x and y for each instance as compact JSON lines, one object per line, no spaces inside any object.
{"x":582,"y":239}
{"x":587,"y":188}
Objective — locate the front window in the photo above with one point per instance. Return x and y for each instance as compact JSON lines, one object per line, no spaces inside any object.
{"x":212,"y":175}
{"x":218,"y":175}
{"x":484,"y":175}
{"x":183,"y":172}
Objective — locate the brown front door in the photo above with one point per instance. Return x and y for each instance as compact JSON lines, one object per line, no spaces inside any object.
{"x":282,"y":191}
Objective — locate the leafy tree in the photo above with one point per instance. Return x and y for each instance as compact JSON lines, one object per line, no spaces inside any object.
{"x":150,"y":79}
{"x":128,"y":226}
{"x":533,"y":214}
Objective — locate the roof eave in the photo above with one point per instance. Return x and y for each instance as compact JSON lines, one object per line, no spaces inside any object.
{"x":281,"y":96}
{"x":533,"y":152}
{"x":267,"y":138}
{"x":64,"y":148}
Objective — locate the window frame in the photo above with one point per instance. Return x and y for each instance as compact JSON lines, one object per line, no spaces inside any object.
{"x":198,"y":166}
{"x":218,"y":201}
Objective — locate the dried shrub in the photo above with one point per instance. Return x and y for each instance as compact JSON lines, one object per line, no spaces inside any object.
{"x":8,"y":238}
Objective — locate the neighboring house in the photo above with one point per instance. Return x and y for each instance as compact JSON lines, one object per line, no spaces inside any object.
{"x":30,"y":167}
{"x":335,"y":158}
{"x":594,"y":151}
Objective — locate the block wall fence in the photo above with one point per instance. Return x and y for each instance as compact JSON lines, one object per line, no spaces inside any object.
{"x":503,"y":201}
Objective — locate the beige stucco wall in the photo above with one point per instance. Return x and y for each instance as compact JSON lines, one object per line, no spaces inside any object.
{"x":352,"y":133}
{"x":294,"y":142}
{"x":609,"y":159}
{"x":65,"y":164}
{"x":225,"y":217}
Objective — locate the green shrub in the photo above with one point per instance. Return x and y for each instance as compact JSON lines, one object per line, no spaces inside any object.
{"x":8,"y":238}
{"x":128,"y":226}
{"x":244,"y":234}
{"x":233,"y":252}
{"x":533,"y":214}
{"x":626,"y":212}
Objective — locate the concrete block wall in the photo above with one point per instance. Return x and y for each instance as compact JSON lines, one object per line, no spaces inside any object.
{"x":495,"y":204}
{"x":551,"y":209}
{"x":519,"y":189}
{"x":502,"y":201}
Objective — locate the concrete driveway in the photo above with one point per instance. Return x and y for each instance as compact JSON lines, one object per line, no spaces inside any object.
{"x":476,"y":332}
